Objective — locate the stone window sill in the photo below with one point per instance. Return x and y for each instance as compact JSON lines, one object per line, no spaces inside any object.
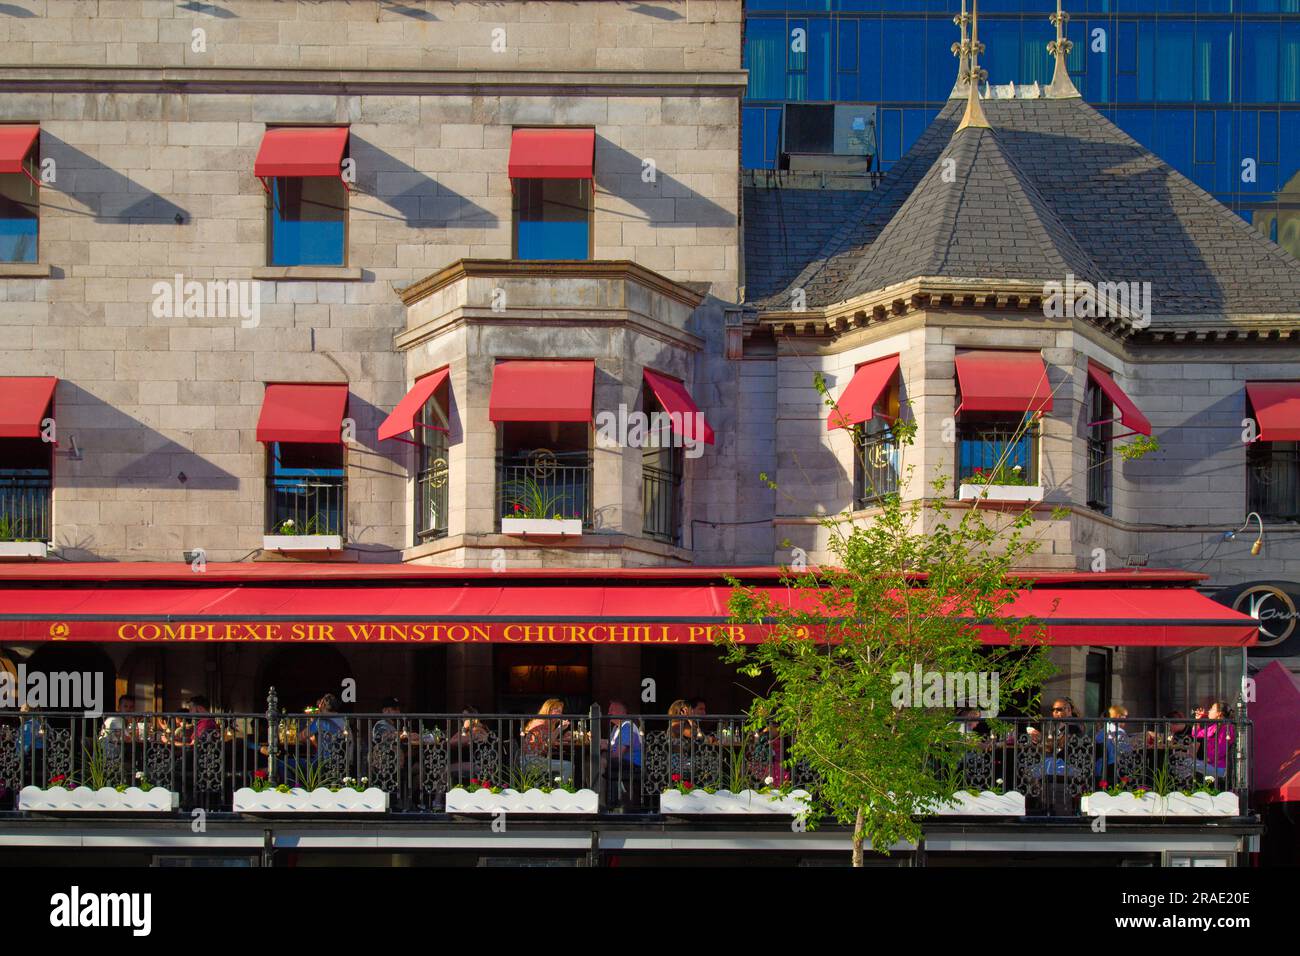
{"x":309,"y":273}
{"x":24,"y":270}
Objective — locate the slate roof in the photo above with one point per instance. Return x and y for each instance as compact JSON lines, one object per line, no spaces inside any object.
{"x":786,"y":228}
{"x":1052,"y":187}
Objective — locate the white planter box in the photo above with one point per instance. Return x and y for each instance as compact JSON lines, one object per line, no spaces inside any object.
{"x":23,"y":550}
{"x":460,"y":800}
{"x":1202,"y":805}
{"x":302,"y":542}
{"x":984,"y":804}
{"x":1001,"y":492}
{"x":103,"y":800}
{"x":548,"y":527}
{"x":320,"y":800}
{"x":724,"y":801}
{"x":1102,"y":803}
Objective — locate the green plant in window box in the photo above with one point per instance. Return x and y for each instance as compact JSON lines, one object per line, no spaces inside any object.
{"x":313,"y":525}
{"x":526,"y":498}
{"x":13,"y":529}
{"x":1002,"y":475}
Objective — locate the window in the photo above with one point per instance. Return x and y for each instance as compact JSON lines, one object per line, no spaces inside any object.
{"x":875,"y":462}
{"x":306,"y":488}
{"x":662,"y":467}
{"x":544,"y":470}
{"x":20,"y":201}
{"x":1096,"y":683}
{"x":308,"y":221}
{"x":552,"y":218}
{"x":26,"y":466}
{"x":1099,"y":436}
{"x":1005,"y":443}
{"x":432,"y":471}
{"x":1273,"y":479}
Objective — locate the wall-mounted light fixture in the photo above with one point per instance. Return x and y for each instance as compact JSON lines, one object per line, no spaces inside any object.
{"x":1259,"y":541}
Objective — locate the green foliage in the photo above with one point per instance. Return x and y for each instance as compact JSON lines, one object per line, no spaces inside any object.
{"x":313,"y":525}
{"x":13,"y":529}
{"x":912,"y":585}
{"x":1140,"y":445}
{"x":528,"y":498}
{"x":309,"y":774}
{"x":1001,"y":475}
{"x":96,"y":764}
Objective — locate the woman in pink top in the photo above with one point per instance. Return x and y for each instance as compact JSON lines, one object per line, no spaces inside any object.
{"x":1217,"y":738}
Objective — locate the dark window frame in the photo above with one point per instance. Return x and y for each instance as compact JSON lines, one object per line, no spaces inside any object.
{"x":294,"y":491}
{"x":27,"y":493}
{"x":1100,"y":439}
{"x":433,"y":466}
{"x":654,"y":522}
{"x":990,"y":430}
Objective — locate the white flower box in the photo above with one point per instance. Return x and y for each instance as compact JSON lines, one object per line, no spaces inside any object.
{"x":483,"y":800}
{"x":302,"y":542}
{"x":542,"y":527}
{"x":103,"y":800}
{"x":320,"y":800}
{"x":724,"y":801}
{"x":1202,"y":805}
{"x":23,"y":550}
{"x":984,"y":804}
{"x":1001,"y":492}
{"x":1101,"y":804}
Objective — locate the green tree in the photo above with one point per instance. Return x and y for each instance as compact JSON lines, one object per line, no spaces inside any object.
{"x":913,"y":584}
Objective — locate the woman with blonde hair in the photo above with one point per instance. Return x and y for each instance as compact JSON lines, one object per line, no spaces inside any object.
{"x":682,"y":727}
{"x":543,"y":735}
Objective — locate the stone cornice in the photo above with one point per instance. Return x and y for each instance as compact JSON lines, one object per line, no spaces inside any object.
{"x":208,"y":79}
{"x":623,"y":269}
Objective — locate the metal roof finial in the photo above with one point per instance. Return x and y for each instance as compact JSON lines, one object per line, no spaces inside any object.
{"x":974,"y":111}
{"x":1062,"y":86}
{"x":961,"y":50}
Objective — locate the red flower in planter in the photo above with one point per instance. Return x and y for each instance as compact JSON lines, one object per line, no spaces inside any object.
{"x":259,"y":774}
{"x":518,"y":506}
{"x":676,"y":778}
{"x":1102,"y":785}
{"x":688,"y":785}
{"x":59,"y":779}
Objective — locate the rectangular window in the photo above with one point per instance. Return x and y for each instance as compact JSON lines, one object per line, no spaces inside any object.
{"x":875,"y":463}
{"x":431,"y":478}
{"x":26,"y":468}
{"x":544,"y":470}
{"x":20,"y":208}
{"x":1099,"y":409}
{"x":662,"y":468}
{"x":308,"y":221}
{"x":306,"y":488}
{"x":552,"y":218}
{"x":999,"y":445}
{"x":1273,"y":479}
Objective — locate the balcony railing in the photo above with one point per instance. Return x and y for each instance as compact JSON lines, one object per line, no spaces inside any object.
{"x":316,"y":505}
{"x":24,"y":507}
{"x":662,"y":504}
{"x":876,"y":474}
{"x":543,"y":485}
{"x":628,"y":761}
{"x":1273,"y":480}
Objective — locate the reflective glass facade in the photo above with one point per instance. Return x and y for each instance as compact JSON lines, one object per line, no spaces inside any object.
{"x":1211,"y":86}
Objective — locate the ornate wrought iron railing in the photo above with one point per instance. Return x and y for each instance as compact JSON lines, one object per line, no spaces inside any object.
{"x":661,"y":493}
{"x":628,"y":761}
{"x":24,"y":506}
{"x":544,"y":485}
{"x":306,"y":505}
{"x":876,"y":471}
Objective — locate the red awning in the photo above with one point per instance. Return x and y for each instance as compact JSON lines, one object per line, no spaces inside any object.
{"x":1128,"y":412}
{"x":556,"y":390}
{"x":1003,"y":382}
{"x":23,"y":404}
{"x":552,"y":153}
{"x":301,"y":151}
{"x":403,"y":417}
{"x":303,"y":413}
{"x":1277,"y":409}
{"x":440,"y":606}
{"x":679,"y":405}
{"x":16,"y":142}
{"x":857,"y":402}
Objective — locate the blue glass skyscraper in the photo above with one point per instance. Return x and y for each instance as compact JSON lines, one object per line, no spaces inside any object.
{"x":1211,"y":86}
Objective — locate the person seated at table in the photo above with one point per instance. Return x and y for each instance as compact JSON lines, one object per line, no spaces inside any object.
{"x":201,"y":727}
{"x":470,"y":733}
{"x":1216,"y":739}
{"x":1114,"y":740}
{"x":698,"y":711}
{"x":1060,"y":729}
{"x":384,"y":727}
{"x":120,"y":726}
{"x":544,"y":736}
{"x":683,"y":727}
{"x":623,"y":752}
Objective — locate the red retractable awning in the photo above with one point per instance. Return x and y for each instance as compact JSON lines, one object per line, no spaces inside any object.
{"x":556,"y":390}
{"x":1277,"y":409}
{"x":683,"y":413}
{"x":301,"y":151}
{"x":1129,"y":415}
{"x":16,"y":143}
{"x":1003,"y":382}
{"x":552,"y":153}
{"x":858,"y":401}
{"x":303,"y":413}
{"x":425,"y":605}
{"x":23,"y":404}
{"x":403,"y":417}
